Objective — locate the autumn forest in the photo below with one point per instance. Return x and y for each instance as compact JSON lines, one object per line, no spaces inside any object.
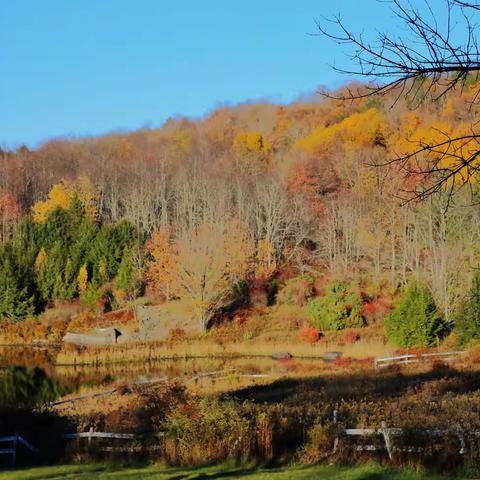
{"x":283,"y":287}
{"x":248,"y":196}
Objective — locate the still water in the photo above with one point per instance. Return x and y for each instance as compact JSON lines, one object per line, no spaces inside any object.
{"x":175,"y":369}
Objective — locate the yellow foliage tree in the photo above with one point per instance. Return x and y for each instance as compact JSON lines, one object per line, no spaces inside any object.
{"x":61,"y":196}
{"x":162,"y":272}
{"x":88,"y":195}
{"x":265,"y":262}
{"x":364,"y":129}
{"x":252,"y":151}
{"x":430,"y":142}
{"x":40,"y":260}
{"x":211,"y":258}
{"x":82,"y":279}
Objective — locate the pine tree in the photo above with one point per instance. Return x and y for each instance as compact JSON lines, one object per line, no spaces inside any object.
{"x":339,"y":308}
{"x":415,"y":321}
{"x":16,"y":297}
{"x":56,"y":278}
{"x":467,"y":322}
{"x":125,"y":282}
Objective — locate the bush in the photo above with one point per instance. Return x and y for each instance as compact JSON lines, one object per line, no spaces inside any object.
{"x":319,"y":444}
{"x":92,"y":297}
{"x":310,"y":334}
{"x":207,"y":431}
{"x":467,"y":321}
{"x":350,"y":336}
{"x":340,"y":307}
{"x":415,"y":321}
{"x":296,"y":291}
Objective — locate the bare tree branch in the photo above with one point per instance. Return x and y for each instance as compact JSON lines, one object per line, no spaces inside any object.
{"x":430,"y":60}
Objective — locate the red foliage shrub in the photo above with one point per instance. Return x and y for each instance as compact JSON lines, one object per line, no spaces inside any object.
{"x":177,"y":334}
{"x":375,"y":306}
{"x":297,"y":291}
{"x":343,"y":361}
{"x":350,"y":336}
{"x":310,"y":334}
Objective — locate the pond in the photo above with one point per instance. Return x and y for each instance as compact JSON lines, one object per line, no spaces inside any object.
{"x":74,"y":376}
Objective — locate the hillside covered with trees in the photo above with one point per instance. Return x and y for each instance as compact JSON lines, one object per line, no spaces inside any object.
{"x":258,"y":196}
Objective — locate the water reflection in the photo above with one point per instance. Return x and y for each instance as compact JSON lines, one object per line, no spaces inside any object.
{"x":180,"y":369}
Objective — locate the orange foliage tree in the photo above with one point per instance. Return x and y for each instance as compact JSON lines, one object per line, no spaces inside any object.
{"x":211,"y":258}
{"x":265,"y":260}
{"x":162,"y":272}
{"x":10,"y":213}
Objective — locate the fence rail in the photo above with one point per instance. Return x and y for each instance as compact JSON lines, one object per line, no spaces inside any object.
{"x":416,"y":358}
{"x":110,"y":435}
{"x":387,"y":434}
{"x":15,"y":440}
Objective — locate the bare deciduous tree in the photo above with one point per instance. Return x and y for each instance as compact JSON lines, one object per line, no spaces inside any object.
{"x":438,"y":53}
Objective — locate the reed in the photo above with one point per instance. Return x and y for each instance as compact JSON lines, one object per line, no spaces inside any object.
{"x":207,"y":347}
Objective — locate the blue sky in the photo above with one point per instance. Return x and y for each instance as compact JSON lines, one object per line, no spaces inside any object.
{"x":81,"y":67}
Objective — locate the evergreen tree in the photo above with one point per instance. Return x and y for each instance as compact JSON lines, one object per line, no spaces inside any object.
{"x":415,"y":321}
{"x":467,"y":322}
{"x":107,"y":250}
{"x":92,"y":296}
{"x":339,"y":308}
{"x":84,"y":239}
{"x":101,"y":258}
{"x":55,"y":229}
{"x":125,"y":281}
{"x":17,"y":300}
{"x":56,"y":277}
{"x":27,"y":241}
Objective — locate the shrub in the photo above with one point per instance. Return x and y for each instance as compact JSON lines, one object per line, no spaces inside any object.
{"x":415,"y":321}
{"x":319,"y":444}
{"x":310,"y":334}
{"x":467,"y":321}
{"x":207,"y":431}
{"x":340,"y":307}
{"x":92,"y":297}
{"x":296,"y":291}
{"x":350,"y":336}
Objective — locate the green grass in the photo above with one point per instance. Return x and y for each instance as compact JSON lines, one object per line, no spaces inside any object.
{"x":154,"y":472}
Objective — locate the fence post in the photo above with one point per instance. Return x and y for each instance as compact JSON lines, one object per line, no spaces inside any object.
{"x":335,"y":420}
{"x":14,"y":454}
{"x":461,"y":438}
{"x":90,"y":436}
{"x":386,"y":438}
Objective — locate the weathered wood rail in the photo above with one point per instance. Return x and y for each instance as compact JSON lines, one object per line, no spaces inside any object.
{"x":16,"y":440}
{"x":91,"y":434}
{"x":387,"y":435}
{"x":217,"y":375}
{"x":416,"y":358}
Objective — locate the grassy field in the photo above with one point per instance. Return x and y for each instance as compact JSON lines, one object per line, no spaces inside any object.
{"x":319,"y":472}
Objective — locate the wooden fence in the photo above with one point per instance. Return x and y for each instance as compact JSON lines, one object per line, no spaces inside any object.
{"x":387,"y":435}
{"x":91,"y":434}
{"x":217,"y":375}
{"x":15,"y":441}
{"x":416,"y":358}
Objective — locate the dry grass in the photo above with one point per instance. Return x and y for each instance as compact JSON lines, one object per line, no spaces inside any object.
{"x":253,"y":332}
{"x":208,"y":347}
